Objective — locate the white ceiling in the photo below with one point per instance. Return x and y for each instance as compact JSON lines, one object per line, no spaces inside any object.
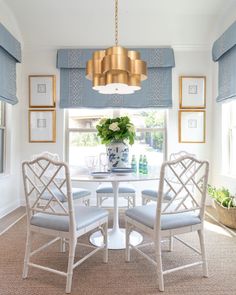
{"x":68,"y":23}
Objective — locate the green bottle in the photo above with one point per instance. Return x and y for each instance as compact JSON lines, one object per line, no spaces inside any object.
{"x":134,"y":164}
{"x":140,"y":166}
{"x":145,"y":165}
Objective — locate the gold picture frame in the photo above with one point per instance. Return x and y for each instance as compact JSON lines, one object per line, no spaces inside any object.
{"x":42,"y":126}
{"x":192,"y":126}
{"x":42,"y":91}
{"x":192,"y":92}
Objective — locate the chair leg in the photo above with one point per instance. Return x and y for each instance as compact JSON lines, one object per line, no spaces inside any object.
{"x":105,"y":237}
{"x":144,"y":201}
{"x":203,"y":251}
{"x":171,"y":244}
{"x":129,"y":202}
{"x":127,"y":248}
{"x":134,"y":201}
{"x":72,"y":246}
{"x":27,"y":254}
{"x":98,"y":201}
{"x":159,"y":265}
{"x":86,"y":202}
{"x":62,"y":245}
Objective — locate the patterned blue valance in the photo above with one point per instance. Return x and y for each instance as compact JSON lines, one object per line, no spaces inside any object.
{"x":224,"y":51}
{"x":76,"y":91}
{"x":10,"y":54}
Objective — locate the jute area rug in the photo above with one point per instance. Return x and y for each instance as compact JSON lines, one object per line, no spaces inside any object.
{"x":118,"y":277}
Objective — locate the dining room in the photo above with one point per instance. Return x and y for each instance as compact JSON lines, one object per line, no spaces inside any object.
{"x":117,"y":147}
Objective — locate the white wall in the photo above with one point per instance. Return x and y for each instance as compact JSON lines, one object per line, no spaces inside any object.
{"x":43,"y":61}
{"x":9,"y":183}
{"x":190,"y":63}
{"x":218,"y":178}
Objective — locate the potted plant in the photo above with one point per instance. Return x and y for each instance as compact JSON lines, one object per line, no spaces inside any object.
{"x":225,"y":205}
{"x":116,"y":134}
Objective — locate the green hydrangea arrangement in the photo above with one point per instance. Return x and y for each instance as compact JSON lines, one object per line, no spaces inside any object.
{"x":117,"y":129}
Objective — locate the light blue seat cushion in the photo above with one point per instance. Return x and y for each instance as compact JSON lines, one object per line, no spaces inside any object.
{"x":153,"y":194}
{"x":77,"y":193}
{"x":147,"y":214}
{"x":107,"y":188}
{"x":84,"y":216}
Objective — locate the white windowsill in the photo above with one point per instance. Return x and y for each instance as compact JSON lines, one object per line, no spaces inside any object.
{"x":233,"y":177}
{"x":4,"y":176}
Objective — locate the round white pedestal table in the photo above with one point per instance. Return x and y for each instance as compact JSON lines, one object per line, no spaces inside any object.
{"x":116,"y":235}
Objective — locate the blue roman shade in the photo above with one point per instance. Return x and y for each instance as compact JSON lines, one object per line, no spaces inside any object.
{"x":76,"y":91}
{"x":224,"y":52}
{"x":10,"y":54}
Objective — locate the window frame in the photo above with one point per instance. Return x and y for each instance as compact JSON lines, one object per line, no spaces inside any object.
{"x":3,"y":127}
{"x":116,"y":113}
{"x":228,"y":111}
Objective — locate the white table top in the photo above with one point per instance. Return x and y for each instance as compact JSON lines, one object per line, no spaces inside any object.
{"x":115,"y":177}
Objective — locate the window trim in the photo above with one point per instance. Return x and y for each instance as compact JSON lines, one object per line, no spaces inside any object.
{"x":226,"y":138}
{"x":116,"y":113}
{"x":3,"y":127}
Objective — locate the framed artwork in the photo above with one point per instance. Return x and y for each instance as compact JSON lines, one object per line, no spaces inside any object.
{"x":192,"y":92}
{"x":42,"y":126}
{"x":192,"y":126}
{"x":42,"y":91}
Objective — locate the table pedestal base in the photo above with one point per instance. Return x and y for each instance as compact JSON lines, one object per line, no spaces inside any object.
{"x":116,"y":239}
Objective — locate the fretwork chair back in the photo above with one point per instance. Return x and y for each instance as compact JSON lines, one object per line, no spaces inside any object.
{"x":81,"y":194}
{"x":105,"y":191}
{"x":149,"y":195}
{"x":183,"y":213}
{"x":62,"y":220}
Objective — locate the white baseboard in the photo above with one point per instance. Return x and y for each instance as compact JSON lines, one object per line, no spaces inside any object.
{"x":9,"y":208}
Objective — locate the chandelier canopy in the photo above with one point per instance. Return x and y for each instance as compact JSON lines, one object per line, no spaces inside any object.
{"x":116,"y":70}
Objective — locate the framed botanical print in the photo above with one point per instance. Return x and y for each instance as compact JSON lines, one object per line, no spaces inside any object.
{"x":192,"y":126}
{"x":42,"y":126}
{"x":42,"y":91}
{"x":192,"y":92}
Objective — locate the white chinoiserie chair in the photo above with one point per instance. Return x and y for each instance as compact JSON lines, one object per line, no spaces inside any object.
{"x":149,"y":195}
{"x":61,"y":220}
{"x":183,"y":213}
{"x":79,"y":194}
{"x":105,"y":191}
{"x":126,"y":191}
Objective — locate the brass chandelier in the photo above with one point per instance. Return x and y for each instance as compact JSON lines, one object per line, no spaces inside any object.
{"x":116,"y":70}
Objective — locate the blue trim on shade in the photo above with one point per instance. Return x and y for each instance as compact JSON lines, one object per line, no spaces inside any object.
{"x":76,"y":90}
{"x":7,"y":78}
{"x":224,"y":52}
{"x":77,"y":58}
{"x":9,"y":43}
{"x":227,"y":76}
{"x":10,"y":54}
{"x":224,"y":43}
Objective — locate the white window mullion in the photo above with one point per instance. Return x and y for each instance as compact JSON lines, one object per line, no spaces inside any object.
{"x":2,"y":138}
{"x":229,"y":138}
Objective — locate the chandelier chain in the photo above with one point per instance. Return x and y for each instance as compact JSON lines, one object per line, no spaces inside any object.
{"x":116,"y":70}
{"x":116,"y":22}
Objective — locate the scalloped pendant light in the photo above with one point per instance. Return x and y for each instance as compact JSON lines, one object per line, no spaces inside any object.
{"x":116,"y":70}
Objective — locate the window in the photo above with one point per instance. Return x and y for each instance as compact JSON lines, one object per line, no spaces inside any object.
{"x":2,"y":136}
{"x":229,"y":138}
{"x":82,"y":140}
